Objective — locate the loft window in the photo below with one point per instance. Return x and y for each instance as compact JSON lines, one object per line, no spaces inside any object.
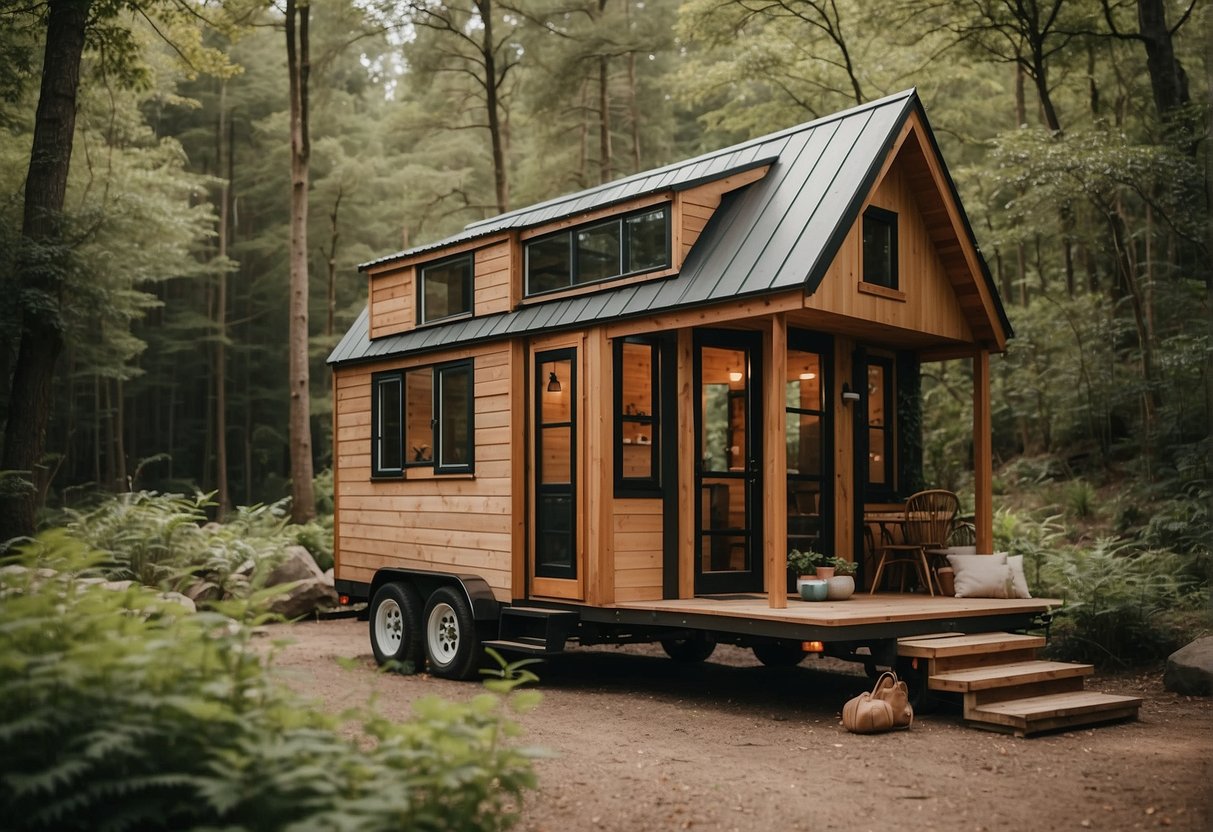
{"x":423,"y":418}
{"x":637,"y":423}
{"x":445,"y":289}
{"x":880,"y":247}
{"x":632,"y":244}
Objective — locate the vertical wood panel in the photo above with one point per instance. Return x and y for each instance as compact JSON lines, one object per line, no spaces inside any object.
{"x":600,"y":544}
{"x":686,"y":466}
{"x":519,"y":453}
{"x":775,"y":460}
{"x":983,"y":475}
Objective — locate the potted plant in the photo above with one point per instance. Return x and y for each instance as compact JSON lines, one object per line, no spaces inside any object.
{"x":842,"y":585}
{"x":803,"y":565}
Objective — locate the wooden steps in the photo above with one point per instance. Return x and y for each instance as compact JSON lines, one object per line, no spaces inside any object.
{"x":1006,"y":688}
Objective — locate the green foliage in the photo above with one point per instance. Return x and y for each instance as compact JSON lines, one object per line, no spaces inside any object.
{"x":1080,"y":498}
{"x":842,"y":566}
{"x":803,"y":563}
{"x":120,"y":711}
{"x":1119,"y":603}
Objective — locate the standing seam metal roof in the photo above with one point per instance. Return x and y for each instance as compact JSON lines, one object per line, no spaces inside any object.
{"x":777,"y":233}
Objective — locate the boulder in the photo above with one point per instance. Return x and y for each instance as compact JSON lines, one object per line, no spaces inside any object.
{"x":202,"y":592}
{"x":298,"y":566}
{"x":1190,"y":669}
{"x":329,"y":576}
{"x":303,"y":598}
{"x":178,"y":598}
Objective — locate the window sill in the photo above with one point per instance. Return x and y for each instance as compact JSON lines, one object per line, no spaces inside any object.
{"x":882,"y":291}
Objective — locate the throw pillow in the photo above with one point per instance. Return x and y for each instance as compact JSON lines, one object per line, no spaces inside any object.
{"x":982,"y":576}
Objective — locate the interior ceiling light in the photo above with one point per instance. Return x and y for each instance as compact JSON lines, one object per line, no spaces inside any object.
{"x":553,"y":383}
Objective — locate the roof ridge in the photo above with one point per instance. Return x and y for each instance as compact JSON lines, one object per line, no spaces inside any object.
{"x":711,"y":154}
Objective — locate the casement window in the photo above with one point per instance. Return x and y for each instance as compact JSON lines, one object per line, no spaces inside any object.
{"x":444,"y":289}
{"x":423,"y":418}
{"x":880,"y":247}
{"x":637,"y":420}
{"x":632,"y":244}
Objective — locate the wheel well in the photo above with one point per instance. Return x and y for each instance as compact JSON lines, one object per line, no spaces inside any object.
{"x":479,"y":595}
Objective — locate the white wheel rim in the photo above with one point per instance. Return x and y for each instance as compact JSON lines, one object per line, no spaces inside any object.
{"x":389,"y":627}
{"x":442,"y":634}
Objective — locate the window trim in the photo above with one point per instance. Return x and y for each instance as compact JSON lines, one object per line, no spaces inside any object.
{"x":469,"y":287}
{"x":889,"y":219}
{"x":436,"y":420}
{"x":377,"y":470}
{"x":638,"y":486}
{"x":540,"y":488}
{"x":665,"y":207}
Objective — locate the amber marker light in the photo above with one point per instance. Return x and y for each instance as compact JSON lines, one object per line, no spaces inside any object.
{"x":813,"y":647}
{"x":344,"y":600}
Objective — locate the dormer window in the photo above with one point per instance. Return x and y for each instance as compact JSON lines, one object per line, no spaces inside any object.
{"x":619,"y":247}
{"x":880,"y":247}
{"x":445,"y":289}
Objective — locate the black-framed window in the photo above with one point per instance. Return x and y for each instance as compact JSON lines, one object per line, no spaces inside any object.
{"x":444,"y":289}
{"x":880,"y":426}
{"x":806,"y":394}
{"x":631,"y":244}
{"x":387,"y":409}
{"x":423,"y":417}
{"x":880,"y":247}
{"x":637,"y":397}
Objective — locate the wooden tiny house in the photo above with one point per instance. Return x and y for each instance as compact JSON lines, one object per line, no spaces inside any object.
{"x":609,"y":416}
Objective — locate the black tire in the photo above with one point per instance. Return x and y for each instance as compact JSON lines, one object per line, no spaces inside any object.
{"x":779,"y":653}
{"x":922,"y":699}
{"x":694,"y":648}
{"x":452,"y":645}
{"x":395,"y":626}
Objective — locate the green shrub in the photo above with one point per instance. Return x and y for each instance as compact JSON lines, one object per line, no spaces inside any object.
{"x":121,"y":711}
{"x":1080,"y":498}
{"x":1119,"y":604}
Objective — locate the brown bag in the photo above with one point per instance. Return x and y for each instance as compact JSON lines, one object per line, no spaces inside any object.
{"x":885,"y":708}
{"x":865,"y":715}
{"x":892,"y":690}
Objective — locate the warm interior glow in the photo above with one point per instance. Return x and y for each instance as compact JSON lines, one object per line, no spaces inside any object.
{"x":808,"y":376}
{"x":813,"y":647}
{"x":734,"y":375}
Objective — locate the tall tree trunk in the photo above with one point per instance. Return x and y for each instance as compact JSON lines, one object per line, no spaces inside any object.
{"x":1168,"y":81}
{"x":303,"y":502}
{"x":38,"y":270}
{"x":604,"y":121}
{"x":492,"y":105}
{"x":330,"y":300}
{"x":224,"y":160}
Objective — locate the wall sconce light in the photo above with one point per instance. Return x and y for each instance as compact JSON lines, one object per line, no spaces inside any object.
{"x":553,"y":383}
{"x":849,"y":396}
{"x":735,"y":375}
{"x":808,"y":376}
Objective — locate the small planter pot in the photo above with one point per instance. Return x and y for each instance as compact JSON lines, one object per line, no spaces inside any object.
{"x":840,"y":588}
{"x":802,"y":579}
{"x":814,"y":590}
{"x":824,"y":573}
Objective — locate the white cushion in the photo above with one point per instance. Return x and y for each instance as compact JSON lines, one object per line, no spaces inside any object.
{"x":1019,"y":581}
{"x":982,"y":576}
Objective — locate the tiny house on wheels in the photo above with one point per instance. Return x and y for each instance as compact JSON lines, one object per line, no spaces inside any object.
{"x":609,"y":417}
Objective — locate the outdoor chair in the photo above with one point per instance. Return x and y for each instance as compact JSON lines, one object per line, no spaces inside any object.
{"x":928,"y":524}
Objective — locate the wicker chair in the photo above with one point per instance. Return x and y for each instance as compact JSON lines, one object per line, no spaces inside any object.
{"x":930,"y":517}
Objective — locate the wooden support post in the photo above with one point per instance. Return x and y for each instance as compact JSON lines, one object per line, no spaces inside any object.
{"x":983,"y":462}
{"x":600,"y":540}
{"x":686,"y":465}
{"x":519,"y":520}
{"x":775,"y":459}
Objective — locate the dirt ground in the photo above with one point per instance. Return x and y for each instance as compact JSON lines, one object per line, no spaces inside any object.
{"x":643,"y":743}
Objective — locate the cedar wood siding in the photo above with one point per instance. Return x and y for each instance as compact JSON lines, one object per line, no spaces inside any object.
{"x":447,"y":522}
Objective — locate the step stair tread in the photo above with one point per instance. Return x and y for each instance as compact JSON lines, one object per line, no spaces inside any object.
{"x":1058,"y":704}
{"x":1053,"y":712}
{"x":966,"y":645}
{"x":1006,"y":675}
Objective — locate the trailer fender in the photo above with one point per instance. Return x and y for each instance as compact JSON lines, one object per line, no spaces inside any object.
{"x":484,"y":605}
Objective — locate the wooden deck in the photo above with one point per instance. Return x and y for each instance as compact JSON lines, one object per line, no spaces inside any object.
{"x":860,"y":609}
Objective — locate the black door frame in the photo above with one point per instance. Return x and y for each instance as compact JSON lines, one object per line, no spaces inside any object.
{"x":750,"y":580}
{"x":560,"y":490}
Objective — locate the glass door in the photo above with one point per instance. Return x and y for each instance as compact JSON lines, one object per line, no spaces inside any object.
{"x":728,"y":448}
{"x":555,"y":464}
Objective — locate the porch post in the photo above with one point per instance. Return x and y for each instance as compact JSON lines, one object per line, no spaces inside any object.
{"x":983,"y":463}
{"x":775,"y":460}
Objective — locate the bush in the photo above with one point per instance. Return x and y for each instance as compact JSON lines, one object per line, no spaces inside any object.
{"x":121,"y":711}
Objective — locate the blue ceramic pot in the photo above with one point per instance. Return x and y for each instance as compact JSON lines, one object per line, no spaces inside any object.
{"x":814,"y":590}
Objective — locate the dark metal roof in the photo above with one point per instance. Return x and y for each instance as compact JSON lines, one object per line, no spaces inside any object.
{"x":778,"y":233}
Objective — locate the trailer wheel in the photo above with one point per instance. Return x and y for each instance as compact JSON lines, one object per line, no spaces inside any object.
{"x":451,"y":642}
{"x":779,"y":653}
{"x":395,"y":625}
{"x":695,"y":648}
{"x":922,"y":699}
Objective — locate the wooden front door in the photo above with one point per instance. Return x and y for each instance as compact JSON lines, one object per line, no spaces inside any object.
{"x":728,"y":464}
{"x":555,"y":562}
